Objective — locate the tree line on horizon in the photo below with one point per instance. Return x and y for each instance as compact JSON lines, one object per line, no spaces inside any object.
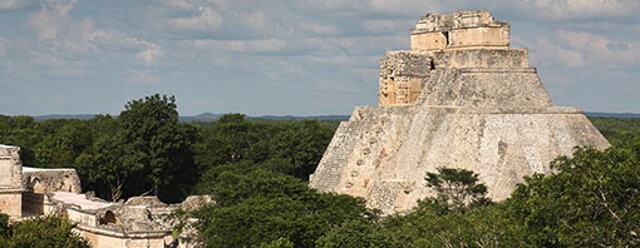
{"x":257,"y":172}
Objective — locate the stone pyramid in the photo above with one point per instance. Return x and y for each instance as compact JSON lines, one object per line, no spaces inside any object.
{"x":461,"y":98}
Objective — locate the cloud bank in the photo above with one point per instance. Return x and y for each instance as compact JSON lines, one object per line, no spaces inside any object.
{"x":285,"y":57}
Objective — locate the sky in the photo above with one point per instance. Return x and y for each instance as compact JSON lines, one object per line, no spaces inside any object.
{"x":298,"y":57}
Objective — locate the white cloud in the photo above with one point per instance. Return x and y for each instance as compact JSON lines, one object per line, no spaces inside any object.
{"x":388,"y":25}
{"x":405,"y":6}
{"x":563,"y":9}
{"x":244,"y":46}
{"x":333,"y":86}
{"x":584,"y":49}
{"x":206,"y":20}
{"x":15,"y":4}
{"x":202,"y":15}
{"x":600,"y":50}
{"x":142,"y":77}
{"x":55,"y":27}
{"x":296,"y":45}
{"x":151,"y":51}
{"x":150,"y":56}
{"x":318,"y":28}
{"x":52,"y":18}
{"x":64,"y":40}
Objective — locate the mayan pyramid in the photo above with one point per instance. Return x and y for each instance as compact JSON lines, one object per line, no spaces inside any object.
{"x":461,"y":98}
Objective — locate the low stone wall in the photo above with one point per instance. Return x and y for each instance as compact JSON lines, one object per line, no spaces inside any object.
{"x":51,"y":180}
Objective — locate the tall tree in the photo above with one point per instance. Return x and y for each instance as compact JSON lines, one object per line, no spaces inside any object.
{"x":156,"y":142}
{"x":460,"y":187}
{"x":104,"y":168}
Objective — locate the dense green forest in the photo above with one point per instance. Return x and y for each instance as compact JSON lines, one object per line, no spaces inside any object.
{"x":257,"y":172}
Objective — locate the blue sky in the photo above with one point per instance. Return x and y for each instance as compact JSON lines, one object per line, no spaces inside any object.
{"x":300,"y":57}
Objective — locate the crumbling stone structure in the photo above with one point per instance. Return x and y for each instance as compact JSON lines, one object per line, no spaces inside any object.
{"x":461,"y":98}
{"x":140,"y":222}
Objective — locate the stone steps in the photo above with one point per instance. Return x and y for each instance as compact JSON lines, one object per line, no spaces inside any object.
{"x":329,"y":171}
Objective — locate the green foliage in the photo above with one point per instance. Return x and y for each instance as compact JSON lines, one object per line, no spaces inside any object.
{"x":289,"y":147}
{"x":234,"y":182}
{"x":428,"y":226}
{"x":40,"y":232}
{"x":279,"y":243}
{"x":619,"y":131}
{"x":105,"y":164}
{"x":256,"y":205}
{"x":593,"y":201}
{"x":4,"y":224}
{"x":157,"y":147}
{"x":146,"y":150}
{"x":359,"y":233}
{"x":459,"y":187}
{"x":263,"y":219}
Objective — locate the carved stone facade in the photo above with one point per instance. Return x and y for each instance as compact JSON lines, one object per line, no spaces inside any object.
{"x":462,"y":98}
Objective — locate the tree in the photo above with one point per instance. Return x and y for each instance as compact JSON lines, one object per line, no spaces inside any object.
{"x":592,"y":201}
{"x":22,"y":131}
{"x":461,"y":188}
{"x":158,"y":144}
{"x":278,"y":243}
{"x":145,"y":150}
{"x":41,"y":232}
{"x":297,"y":147}
{"x":233,"y":183}
{"x":359,"y":233}
{"x":284,"y":146}
{"x":256,"y":206}
{"x":229,"y":139}
{"x":105,"y":167}
{"x":62,"y":142}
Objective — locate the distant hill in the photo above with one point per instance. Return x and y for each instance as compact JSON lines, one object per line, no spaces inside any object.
{"x":312,"y":117}
{"x":612,"y":115}
{"x":57,"y":116}
{"x":203,"y":117}
{"x":213,"y":117}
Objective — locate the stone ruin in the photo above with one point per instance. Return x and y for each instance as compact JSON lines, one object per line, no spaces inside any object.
{"x":139,"y":222}
{"x":460,"y":98}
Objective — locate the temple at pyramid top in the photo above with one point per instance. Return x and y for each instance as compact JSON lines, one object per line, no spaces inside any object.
{"x":464,"y":40}
{"x":463,"y":29}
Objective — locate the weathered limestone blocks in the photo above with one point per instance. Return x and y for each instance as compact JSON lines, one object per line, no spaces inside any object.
{"x":139,"y":222}
{"x":460,"y":30}
{"x":473,"y":103}
{"x":482,"y":58}
{"x":10,"y":167}
{"x":41,"y":181}
{"x":404,"y":74}
{"x":485,"y":87}
{"x":11,"y":184}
